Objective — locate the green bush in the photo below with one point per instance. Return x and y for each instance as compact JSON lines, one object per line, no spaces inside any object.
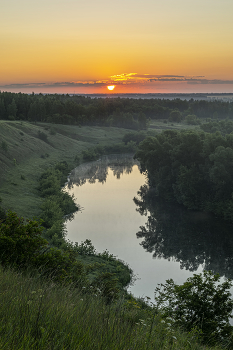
{"x":202,"y":304}
{"x":22,"y":247}
{"x":52,"y":131}
{"x":136,"y":137}
{"x":42,"y":136}
{"x":19,"y":242}
{"x":4,"y":146}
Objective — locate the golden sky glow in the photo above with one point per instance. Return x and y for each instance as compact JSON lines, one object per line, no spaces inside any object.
{"x":83,"y":46}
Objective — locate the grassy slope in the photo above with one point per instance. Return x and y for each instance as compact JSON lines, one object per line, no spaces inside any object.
{"x":40,"y":315}
{"x":26,"y":148}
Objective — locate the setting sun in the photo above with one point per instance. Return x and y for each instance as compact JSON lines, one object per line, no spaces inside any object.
{"x":111,"y":87}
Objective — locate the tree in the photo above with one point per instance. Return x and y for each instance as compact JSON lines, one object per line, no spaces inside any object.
{"x":2,"y":109}
{"x":175,"y":116}
{"x":12,"y":109}
{"x":202,"y":303}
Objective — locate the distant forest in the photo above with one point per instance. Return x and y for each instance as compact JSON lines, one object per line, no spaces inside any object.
{"x":121,"y":112}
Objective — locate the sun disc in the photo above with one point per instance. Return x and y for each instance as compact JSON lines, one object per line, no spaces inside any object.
{"x":111,"y":87}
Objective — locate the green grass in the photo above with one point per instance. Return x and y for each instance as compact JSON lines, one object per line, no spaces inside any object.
{"x":41,"y":315}
{"x":28,"y":156}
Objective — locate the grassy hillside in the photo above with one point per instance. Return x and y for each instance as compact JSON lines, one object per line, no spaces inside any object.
{"x":41,"y":315}
{"x":26,"y":150}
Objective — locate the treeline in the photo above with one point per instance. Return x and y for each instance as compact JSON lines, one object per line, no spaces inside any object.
{"x":191,"y":168}
{"x":120,"y":112}
{"x":224,"y":126}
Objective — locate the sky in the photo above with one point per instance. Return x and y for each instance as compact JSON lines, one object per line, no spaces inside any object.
{"x":149,"y":46}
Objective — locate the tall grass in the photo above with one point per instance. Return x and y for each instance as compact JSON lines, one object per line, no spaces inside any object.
{"x":36,"y":314}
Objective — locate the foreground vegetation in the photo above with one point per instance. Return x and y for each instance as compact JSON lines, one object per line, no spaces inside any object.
{"x":37,"y":314}
{"x":48,"y":300}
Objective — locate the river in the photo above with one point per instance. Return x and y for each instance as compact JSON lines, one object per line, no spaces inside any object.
{"x":158,"y":240}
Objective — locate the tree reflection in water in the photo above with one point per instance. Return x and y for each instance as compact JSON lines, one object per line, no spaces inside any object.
{"x":191,"y":238}
{"x":98,"y":170}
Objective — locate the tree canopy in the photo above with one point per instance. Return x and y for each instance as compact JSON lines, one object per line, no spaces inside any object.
{"x":191,"y":168}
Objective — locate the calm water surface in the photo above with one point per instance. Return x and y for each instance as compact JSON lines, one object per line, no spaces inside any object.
{"x":157,"y":240}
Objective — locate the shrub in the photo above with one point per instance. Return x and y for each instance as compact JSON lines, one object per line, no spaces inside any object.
{"x":77,"y":160}
{"x":136,"y":137}
{"x":21,"y":246}
{"x":202,"y":303}
{"x":52,"y":131}
{"x":19,"y":242}
{"x":42,"y":136}
{"x":4,"y":146}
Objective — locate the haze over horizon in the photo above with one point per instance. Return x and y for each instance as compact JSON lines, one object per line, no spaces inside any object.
{"x":83,"y":46}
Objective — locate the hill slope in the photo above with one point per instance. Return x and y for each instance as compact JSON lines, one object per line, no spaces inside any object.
{"x":27,"y":149}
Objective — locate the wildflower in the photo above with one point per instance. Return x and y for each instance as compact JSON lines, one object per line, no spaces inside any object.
{"x":162,"y":321}
{"x":33,"y":292}
{"x":29,"y":302}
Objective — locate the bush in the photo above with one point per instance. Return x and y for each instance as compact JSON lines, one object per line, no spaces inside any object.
{"x":42,"y":136}
{"x":19,"y":242}
{"x":21,"y":246}
{"x":191,"y":119}
{"x":136,"y":137}
{"x":52,"y":131}
{"x":202,"y":304}
{"x":4,"y":146}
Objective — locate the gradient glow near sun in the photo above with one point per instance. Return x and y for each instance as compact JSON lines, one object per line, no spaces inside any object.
{"x":111,"y":87}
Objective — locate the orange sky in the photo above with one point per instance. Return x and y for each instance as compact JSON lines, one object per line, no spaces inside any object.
{"x":145,"y":46}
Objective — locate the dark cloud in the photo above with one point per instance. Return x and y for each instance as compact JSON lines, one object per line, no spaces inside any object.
{"x":24,"y":85}
{"x":214,"y":81}
{"x":56,"y":84}
{"x":124,"y":79}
